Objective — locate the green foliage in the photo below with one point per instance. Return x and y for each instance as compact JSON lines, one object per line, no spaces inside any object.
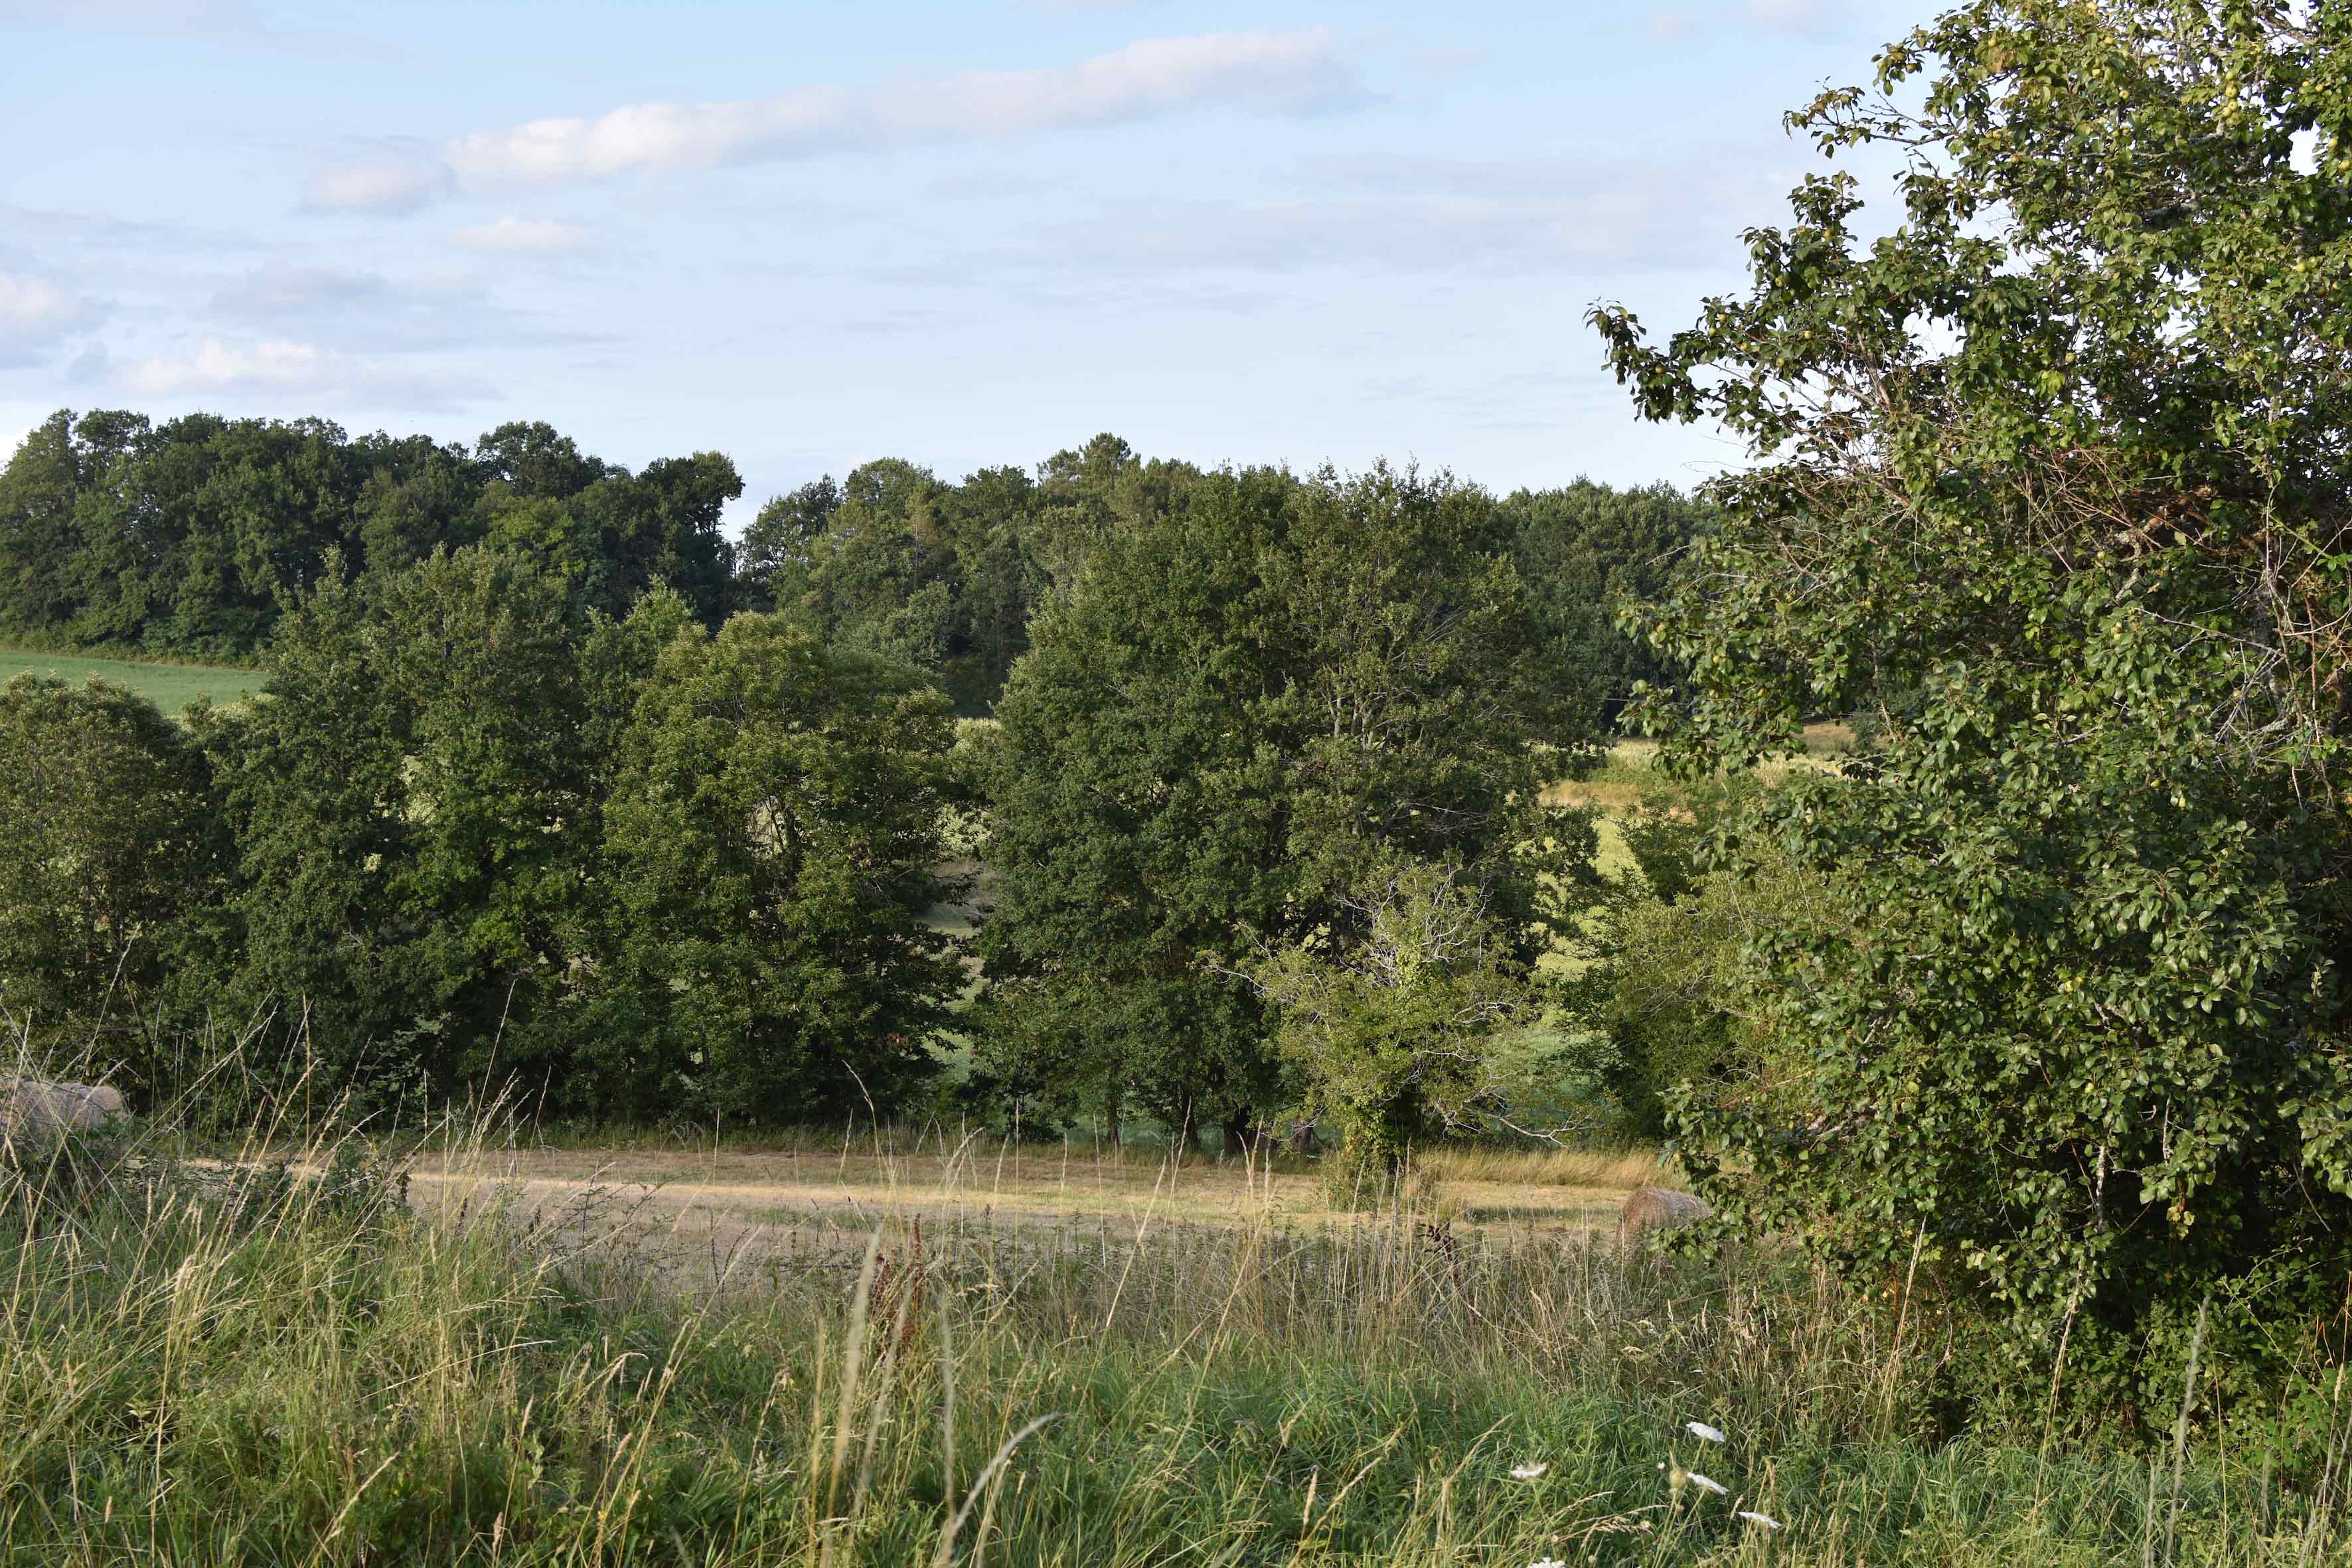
{"x":2051,"y":487}
{"x":768,"y":861}
{"x":410,"y":800}
{"x":947,"y":576}
{"x":1391,"y":1032}
{"x":1669,"y":1004}
{"x":1231,"y":719}
{"x":111,"y":834}
{"x":1586,"y":553}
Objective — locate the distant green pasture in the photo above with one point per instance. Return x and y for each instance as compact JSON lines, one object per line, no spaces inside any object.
{"x":171,"y":687}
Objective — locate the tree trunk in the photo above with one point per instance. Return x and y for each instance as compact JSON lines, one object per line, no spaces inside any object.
{"x":1238,"y":1136}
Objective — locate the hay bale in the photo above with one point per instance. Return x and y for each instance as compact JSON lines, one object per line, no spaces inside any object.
{"x":38,"y":1111}
{"x":1658,"y":1208}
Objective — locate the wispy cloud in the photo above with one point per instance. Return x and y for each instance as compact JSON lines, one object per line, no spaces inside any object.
{"x":216,"y":367}
{"x":1408,"y":213}
{"x":281,"y":369}
{"x":278,"y":289}
{"x":513,"y":236}
{"x":35,"y":317}
{"x":363,"y":310}
{"x":1260,"y":72}
{"x":390,"y":183}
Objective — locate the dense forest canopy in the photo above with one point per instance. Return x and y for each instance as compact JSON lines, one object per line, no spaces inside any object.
{"x":194,"y":536}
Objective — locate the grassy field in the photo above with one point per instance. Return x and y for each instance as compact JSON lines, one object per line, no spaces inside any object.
{"x":171,"y":687}
{"x":216,"y":1362}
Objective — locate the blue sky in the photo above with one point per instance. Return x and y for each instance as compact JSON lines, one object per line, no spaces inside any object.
{"x":966,"y":234}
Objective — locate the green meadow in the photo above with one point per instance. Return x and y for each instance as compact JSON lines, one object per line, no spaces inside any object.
{"x":171,"y":687}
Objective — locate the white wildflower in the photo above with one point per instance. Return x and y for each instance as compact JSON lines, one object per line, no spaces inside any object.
{"x":1528,"y":1472}
{"x":1766,"y":1520}
{"x":1705,"y":1433}
{"x":1708,"y":1483}
{"x":1547,"y":1562}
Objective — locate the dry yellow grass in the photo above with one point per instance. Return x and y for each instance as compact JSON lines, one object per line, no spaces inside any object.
{"x":753,"y":1197}
{"x":1618,"y":1172}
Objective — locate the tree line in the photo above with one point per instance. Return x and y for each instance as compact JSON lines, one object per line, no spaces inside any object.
{"x":193,"y":537}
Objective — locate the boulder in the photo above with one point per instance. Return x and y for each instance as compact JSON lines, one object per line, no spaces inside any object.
{"x":1658,"y":1208}
{"x":37,"y":1109}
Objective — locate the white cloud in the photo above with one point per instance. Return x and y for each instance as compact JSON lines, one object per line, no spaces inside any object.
{"x":515,"y":236}
{"x":393,"y":183}
{"x":34,"y":316}
{"x":1261,"y":72}
{"x":285,"y":369}
{"x":1410,"y":213}
{"x":32,"y":305}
